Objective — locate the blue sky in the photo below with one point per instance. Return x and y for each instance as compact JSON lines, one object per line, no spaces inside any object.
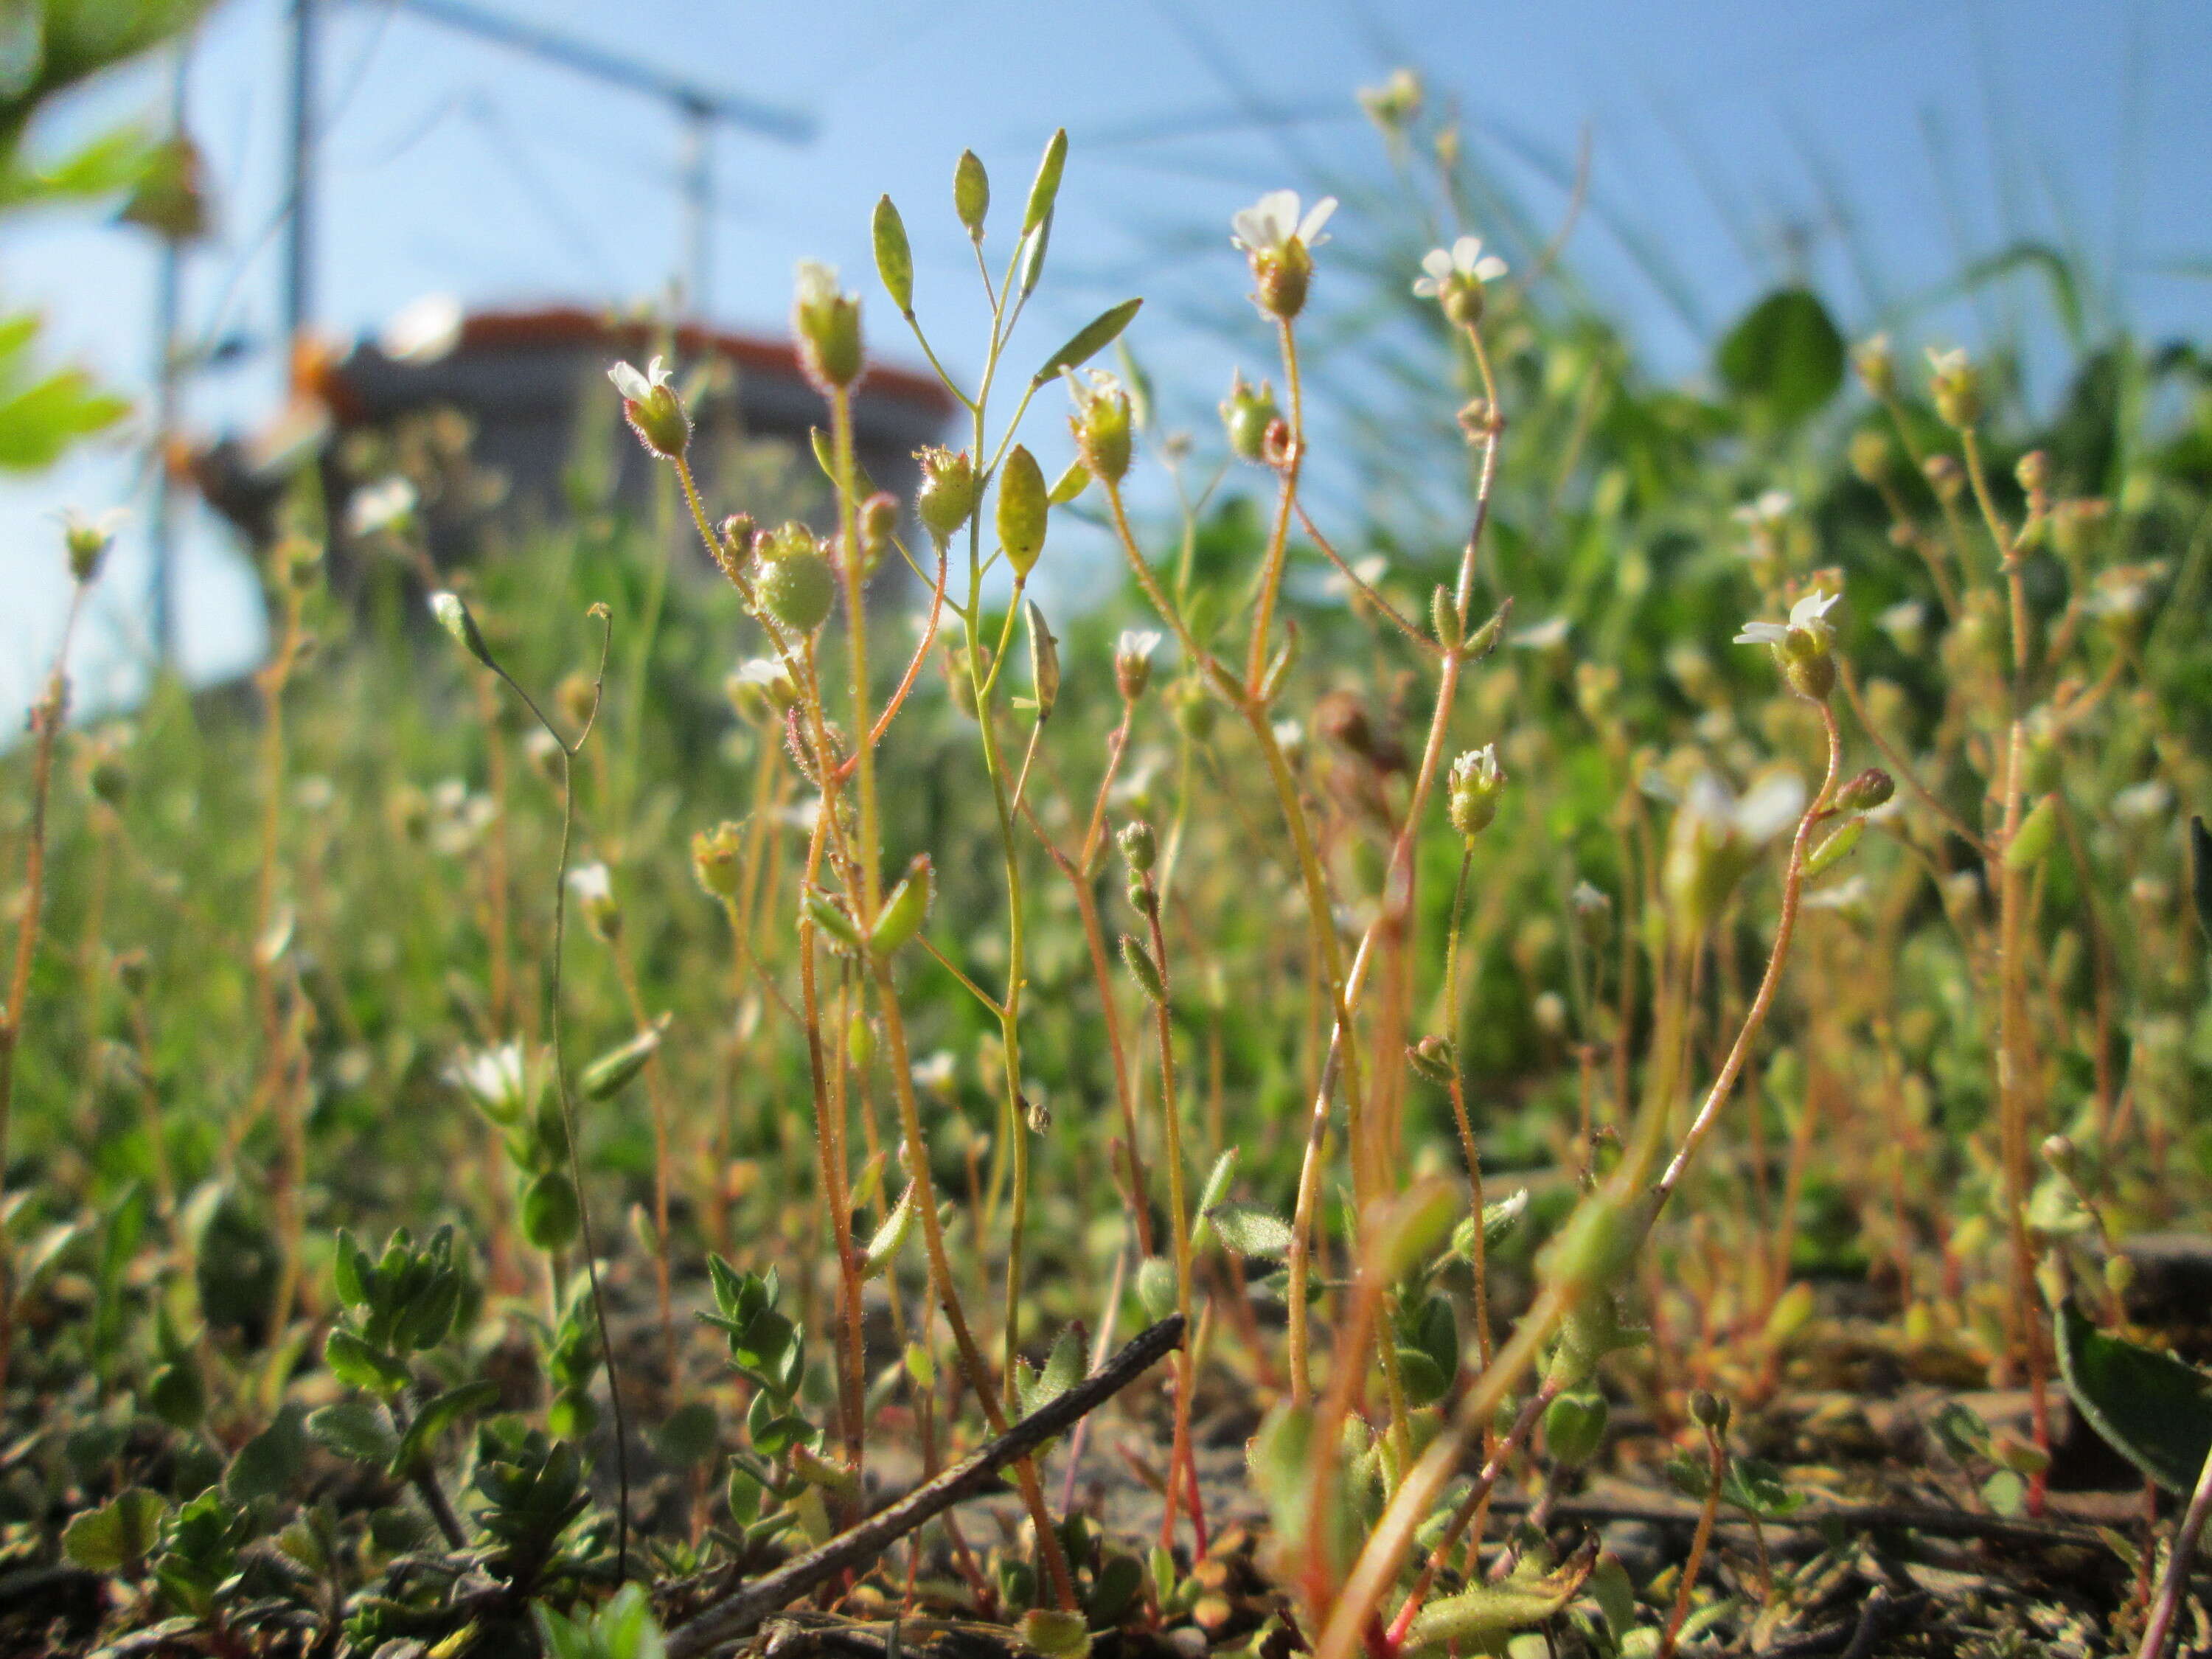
{"x":451,"y":166}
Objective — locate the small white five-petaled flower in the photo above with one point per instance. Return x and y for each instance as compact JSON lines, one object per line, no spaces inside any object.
{"x":1273,"y":222}
{"x":1463,"y":262}
{"x":637,"y":388}
{"x":1809,"y":614}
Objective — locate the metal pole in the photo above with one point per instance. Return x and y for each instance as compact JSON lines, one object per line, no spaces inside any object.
{"x":160,"y":534}
{"x":698,"y":170}
{"x":299,"y":250}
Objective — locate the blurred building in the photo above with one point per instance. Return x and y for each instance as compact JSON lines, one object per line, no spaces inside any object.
{"x":503,"y":419}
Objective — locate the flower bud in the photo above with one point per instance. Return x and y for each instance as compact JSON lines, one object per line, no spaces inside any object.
{"x":1133,"y":661}
{"x":714,"y":859}
{"x":828,"y":324}
{"x":1871,"y":456}
{"x":1470,"y":794}
{"x":1710,"y":1411}
{"x":1194,"y":710}
{"x":1956,"y":386}
{"x":1246,"y":414}
{"x":761,"y":689}
{"x":653,"y":410}
{"x":1101,"y":425}
{"x":1877,"y":366}
{"x":1870,"y":789}
{"x":452,"y":614}
{"x":592,"y":888}
{"x":1944,"y":476}
{"x":1022,"y":510}
{"x":2034,"y":472}
{"x":1433,"y":1059}
{"x":1395,"y":105}
{"x":1139,"y":846}
{"x":879,"y":517}
{"x":733,"y":543}
{"x":87,"y":542}
{"x":948,"y":492}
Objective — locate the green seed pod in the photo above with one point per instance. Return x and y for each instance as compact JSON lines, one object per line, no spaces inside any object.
{"x":829,"y":917}
{"x":1835,"y":849}
{"x":1194,"y":710}
{"x":1574,"y":1427}
{"x":1147,"y":971}
{"x":605,"y":1077}
{"x":1022,"y":510}
{"x":904,"y":911}
{"x":2032,"y":839}
{"x":894,"y":257}
{"x":971,"y":193}
{"x":550,"y":1214}
{"x":1443,"y":618}
{"x":797,"y":590}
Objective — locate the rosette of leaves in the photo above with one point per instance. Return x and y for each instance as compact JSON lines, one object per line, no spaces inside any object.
{"x":394,"y":1307}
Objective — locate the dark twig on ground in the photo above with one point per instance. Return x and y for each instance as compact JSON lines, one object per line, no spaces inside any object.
{"x":739,"y":1613}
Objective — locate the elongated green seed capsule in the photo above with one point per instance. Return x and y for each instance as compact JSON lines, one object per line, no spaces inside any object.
{"x":2032,"y":839}
{"x":1142,"y":965}
{"x":1832,"y":851}
{"x":832,"y":920}
{"x":904,"y":911}
{"x":604,"y":1077}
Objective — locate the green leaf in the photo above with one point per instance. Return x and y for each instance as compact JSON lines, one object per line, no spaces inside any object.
{"x":2152,"y":1409}
{"x":1216,"y":1189}
{"x":354,"y":1361}
{"x":1786,"y":355}
{"x":119,"y":1534}
{"x":894,"y":256}
{"x":1087,"y":342}
{"x":689,"y":1436}
{"x":550,"y":1214}
{"x":356,"y":1430}
{"x":1248,"y":1230}
{"x":1045,"y":187}
{"x":1498,"y":1220}
{"x":269,"y":1462}
{"x":437,"y":1416}
{"x":1477,"y":1616}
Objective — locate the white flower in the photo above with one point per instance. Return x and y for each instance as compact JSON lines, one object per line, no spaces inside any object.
{"x":1850,"y":894}
{"x":1273,"y":222}
{"x":1137,"y":643}
{"x":1767,"y":510}
{"x":493,"y":1078}
{"x":1809,"y":614}
{"x":1463,"y":262}
{"x":423,"y":330}
{"x":933,"y":1073}
{"x":1903,"y":621}
{"x":637,"y":388}
{"x":1364,"y":573}
{"x":591,"y":885}
{"x":1762,"y":812}
{"x":386,"y":504}
{"x":2140,"y":803}
{"x":1544,"y":635}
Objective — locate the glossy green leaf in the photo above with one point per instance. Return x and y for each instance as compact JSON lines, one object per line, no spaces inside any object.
{"x":1785,"y":355}
{"x":2150,"y":1407}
